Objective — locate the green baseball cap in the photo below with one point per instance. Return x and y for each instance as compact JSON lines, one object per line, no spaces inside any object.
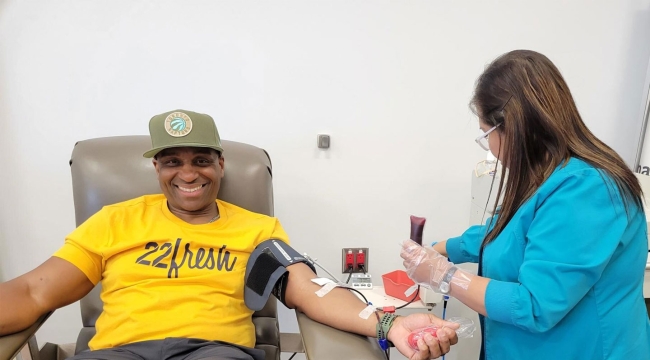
{"x":180,"y":128}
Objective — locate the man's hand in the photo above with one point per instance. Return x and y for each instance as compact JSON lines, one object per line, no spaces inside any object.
{"x":430,"y":347}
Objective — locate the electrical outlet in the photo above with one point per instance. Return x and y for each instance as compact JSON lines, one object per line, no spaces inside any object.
{"x":355,"y":259}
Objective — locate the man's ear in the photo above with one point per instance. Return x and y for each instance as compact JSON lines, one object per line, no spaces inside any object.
{"x":155,"y":165}
{"x":222,"y":164}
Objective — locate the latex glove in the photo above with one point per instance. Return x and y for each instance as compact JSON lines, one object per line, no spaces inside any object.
{"x":424,"y":266}
{"x":429,"y":347}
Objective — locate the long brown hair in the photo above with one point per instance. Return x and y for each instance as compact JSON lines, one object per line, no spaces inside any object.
{"x":524,"y":92}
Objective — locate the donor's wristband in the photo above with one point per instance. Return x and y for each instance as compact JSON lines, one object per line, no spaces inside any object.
{"x":383,"y":326}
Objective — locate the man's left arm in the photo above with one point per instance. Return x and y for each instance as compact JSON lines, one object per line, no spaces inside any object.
{"x":341,"y":309}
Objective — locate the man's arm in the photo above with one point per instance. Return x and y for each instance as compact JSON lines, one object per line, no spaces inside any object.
{"x":53,"y":284}
{"x":340,"y":309}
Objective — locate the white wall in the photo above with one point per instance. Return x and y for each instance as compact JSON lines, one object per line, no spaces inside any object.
{"x":389,"y":81}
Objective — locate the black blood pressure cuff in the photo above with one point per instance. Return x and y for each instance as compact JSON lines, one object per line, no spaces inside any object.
{"x":266,"y":272}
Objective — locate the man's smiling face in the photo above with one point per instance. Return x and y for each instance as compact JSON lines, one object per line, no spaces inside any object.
{"x":190,"y":178}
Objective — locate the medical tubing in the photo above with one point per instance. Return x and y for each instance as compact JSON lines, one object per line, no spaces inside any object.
{"x":415,"y":296}
{"x":356,"y":291}
{"x":445,"y":299}
{"x":313,"y":261}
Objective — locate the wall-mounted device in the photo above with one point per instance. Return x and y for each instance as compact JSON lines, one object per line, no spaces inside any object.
{"x":361,"y":281}
{"x":354,"y":260}
{"x":323,"y":141}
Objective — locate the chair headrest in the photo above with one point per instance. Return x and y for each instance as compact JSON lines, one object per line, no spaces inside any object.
{"x":112,"y":169}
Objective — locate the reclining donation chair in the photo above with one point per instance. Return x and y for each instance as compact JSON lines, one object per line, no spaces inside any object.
{"x":112,"y":169}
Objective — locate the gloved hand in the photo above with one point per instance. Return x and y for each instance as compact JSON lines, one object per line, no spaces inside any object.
{"x":424,"y":265}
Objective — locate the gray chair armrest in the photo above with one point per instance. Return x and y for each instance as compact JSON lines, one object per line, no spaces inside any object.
{"x":10,"y":345}
{"x":323,"y":342}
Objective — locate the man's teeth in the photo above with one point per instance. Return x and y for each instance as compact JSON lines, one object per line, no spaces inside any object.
{"x":190,"y":190}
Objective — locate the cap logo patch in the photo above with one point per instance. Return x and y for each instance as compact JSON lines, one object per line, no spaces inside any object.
{"x":178,"y":124}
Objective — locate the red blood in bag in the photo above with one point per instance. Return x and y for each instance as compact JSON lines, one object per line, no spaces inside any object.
{"x":419,"y":334}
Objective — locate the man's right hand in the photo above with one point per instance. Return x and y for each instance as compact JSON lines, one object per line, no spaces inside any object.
{"x":429,"y":347}
{"x":52,"y":285}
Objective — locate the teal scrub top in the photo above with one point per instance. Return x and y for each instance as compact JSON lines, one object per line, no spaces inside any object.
{"x":566,"y":273}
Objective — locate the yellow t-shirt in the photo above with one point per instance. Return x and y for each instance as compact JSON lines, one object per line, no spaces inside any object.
{"x":162,"y":277}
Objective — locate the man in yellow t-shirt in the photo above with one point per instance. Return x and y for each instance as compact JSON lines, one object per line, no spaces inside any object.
{"x":172,"y":267}
{"x":174,"y":279}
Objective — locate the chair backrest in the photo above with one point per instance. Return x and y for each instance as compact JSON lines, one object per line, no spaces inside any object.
{"x":110,"y":170}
